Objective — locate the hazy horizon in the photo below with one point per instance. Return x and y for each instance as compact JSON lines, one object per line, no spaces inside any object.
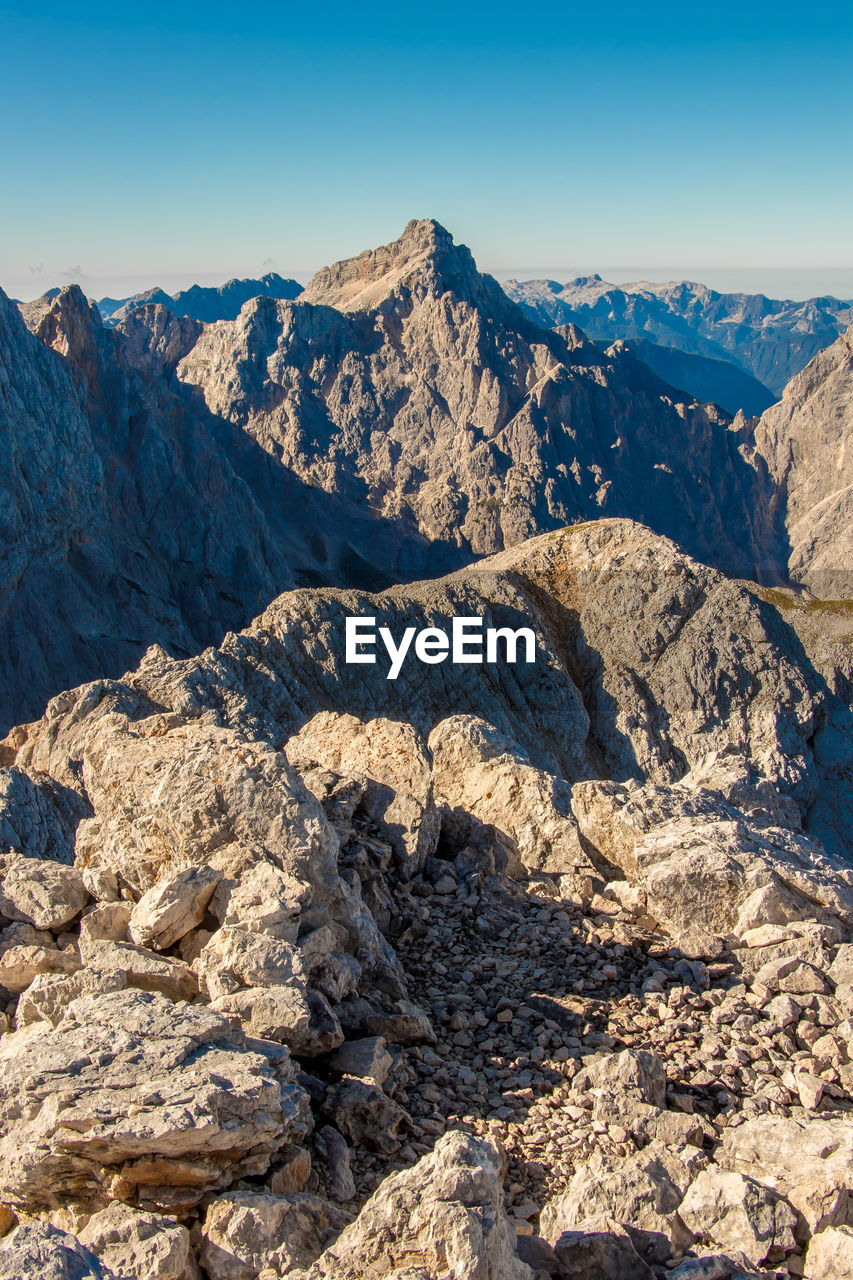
{"x":794,"y":283}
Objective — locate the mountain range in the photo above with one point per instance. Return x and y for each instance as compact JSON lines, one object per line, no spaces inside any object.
{"x":200,"y":302}
{"x":771,"y":340}
{"x":399,"y":419}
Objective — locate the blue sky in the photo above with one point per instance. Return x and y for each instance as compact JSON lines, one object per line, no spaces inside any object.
{"x":163,"y":143}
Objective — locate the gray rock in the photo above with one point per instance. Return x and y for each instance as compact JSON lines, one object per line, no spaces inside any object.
{"x":134,"y":1098}
{"x":172,"y":907}
{"x":138,"y":1246}
{"x":38,"y":1251}
{"x":445,"y":1214}
{"x":43,"y":894}
{"x":732,"y":1212}
{"x":245,"y":1233}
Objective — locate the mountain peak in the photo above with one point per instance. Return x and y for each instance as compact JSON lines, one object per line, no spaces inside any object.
{"x":424,"y":260}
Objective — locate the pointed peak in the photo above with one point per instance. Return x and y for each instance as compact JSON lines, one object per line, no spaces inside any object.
{"x":66,"y":322}
{"x":424,"y":260}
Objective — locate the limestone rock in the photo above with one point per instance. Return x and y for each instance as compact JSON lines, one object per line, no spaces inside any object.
{"x":391,"y":757}
{"x":293,"y":1171}
{"x":734,"y":1212}
{"x":138,"y":1246}
{"x":172,"y":907}
{"x":142,"y":968}
{"x":265,"y":899}
{"x":367,"y":1058}
{"x":20,"y":964}
{"x":38,"y":1251}
{"x":365,"y":1115}
{"x":245,"y":1233}
{"x":600,"y":1250}
{"x":332,"y":1147}
{"x":289,"y":1014}
{"x":164,"y":798}
{"x":830,"y":1254}
{"x":444,"y":1215}
{"x":702,"y":863}
{"x":134,"y":1098}
{"x":43,"y":894}
{"x":106,"y":922}
{"x":48,"y":996}
{"x":806,"y":1159}
{"x":486,"y":780}
{"x":642,"y":1193}
{"x":639,"y":1073}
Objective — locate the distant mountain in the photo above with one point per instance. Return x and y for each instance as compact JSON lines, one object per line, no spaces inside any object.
{"x":771,"y":340}
{"x":200,"y":303}
{"x":711,"y":381}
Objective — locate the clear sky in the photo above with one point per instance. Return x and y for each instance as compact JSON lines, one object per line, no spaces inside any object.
{"x":170,"y":142}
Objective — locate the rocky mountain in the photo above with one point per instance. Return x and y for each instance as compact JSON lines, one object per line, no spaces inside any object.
{"x":711,"y":381}
{"x":805,"y":441}
{"x":772,"y":340}
{"x":399,"y":419}
{"x":131,"y":514}
{"x":491,"y":972}
{"x":203,"y":303}
{"x":408,"y":381}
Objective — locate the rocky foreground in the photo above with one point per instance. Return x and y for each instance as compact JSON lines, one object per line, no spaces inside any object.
{"x":487,"y":972}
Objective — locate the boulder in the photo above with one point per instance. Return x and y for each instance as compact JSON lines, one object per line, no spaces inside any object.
{"x":106,"y":922}
{"x":702,"y":863}
{"x":637,"y":1073}
{"x":245,"y":1232}
{"x":332,"y":1149}
{"x":20,"y":964}
{"x":234,"y":958}
{"x":48,"y":996}
{"x":43,"y":894}
{"x":390,"y":756}
{"x":172,"y":907}
{"x":600,"y":1249}
{"x":444,"y":1216}
{"x":169,"y":793}
{"x":365,"y":1115}
{"x":265,"y":899}
{"x":830,"y":1254}
{"x":292,"y":1172}
{"x":136,"y":1099}
{"x":138,"y":1246}
{"x":368,"y":1058}
{"x":289,"y":1014}
{"x":730,"y":1211}
{"x":642,"y":1193}
{"x":807,"y":1159}
{"x":142,"y":968}
{"x":38,"y":1251}
{"x":485,"y":780}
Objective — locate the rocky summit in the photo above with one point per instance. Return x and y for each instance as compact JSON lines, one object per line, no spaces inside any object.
{"x":498,"y":971}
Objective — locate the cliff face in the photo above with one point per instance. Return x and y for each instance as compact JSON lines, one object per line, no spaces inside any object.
{"x":807,"y":442}
{"x":132,"y":515}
